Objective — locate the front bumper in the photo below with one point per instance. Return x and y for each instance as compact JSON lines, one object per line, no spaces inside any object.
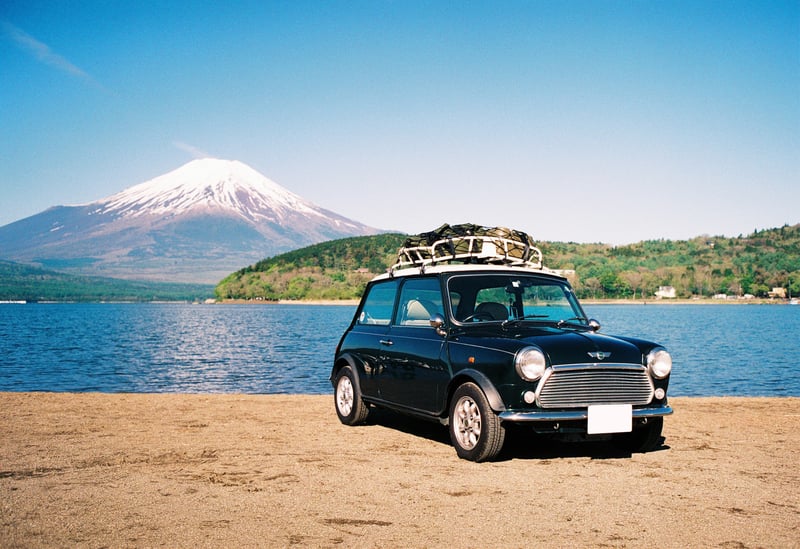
{"x":575,"y":415}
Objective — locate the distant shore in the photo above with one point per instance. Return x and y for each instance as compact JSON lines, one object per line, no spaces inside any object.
{"x":704,"y":301}
{"x":347,"y":302}
{"x":232,"y":470}
{"x":354,"y":302}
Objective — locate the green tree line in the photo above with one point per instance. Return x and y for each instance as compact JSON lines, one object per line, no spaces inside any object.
{"x":338,"y":269}
{"x":700,"y":267}
{"x":24,"y":282}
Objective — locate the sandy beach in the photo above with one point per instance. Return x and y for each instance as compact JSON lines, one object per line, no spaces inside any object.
{"x":133,"y":470}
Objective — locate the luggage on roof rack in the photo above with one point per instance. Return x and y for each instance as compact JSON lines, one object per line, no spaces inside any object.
{"x":468,"y":243}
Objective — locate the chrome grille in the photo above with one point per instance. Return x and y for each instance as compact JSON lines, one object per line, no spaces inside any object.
{"x":578,"y":386}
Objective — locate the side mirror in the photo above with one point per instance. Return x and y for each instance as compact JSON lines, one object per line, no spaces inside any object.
{"x":594,"y":325}
{"x":437,"y":323}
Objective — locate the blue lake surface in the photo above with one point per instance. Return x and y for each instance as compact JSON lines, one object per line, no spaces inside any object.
{"x":718,"y":350}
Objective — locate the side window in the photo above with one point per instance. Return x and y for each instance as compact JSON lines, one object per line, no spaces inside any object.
{"x":420,"y":299}
{"x":378,"y":304}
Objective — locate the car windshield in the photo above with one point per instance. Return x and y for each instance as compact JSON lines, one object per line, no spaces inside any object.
{"x":512,"y":297}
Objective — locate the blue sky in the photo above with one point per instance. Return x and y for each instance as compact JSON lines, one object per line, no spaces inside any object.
{"x":597,"y":121}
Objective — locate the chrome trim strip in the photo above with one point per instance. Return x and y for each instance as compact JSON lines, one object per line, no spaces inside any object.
{"x":545,"y":415}
{"x":598,"y":366}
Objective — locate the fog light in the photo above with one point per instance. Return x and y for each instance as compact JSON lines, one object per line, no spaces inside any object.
{"x":529,"y":397}
{"x":659,"y":394}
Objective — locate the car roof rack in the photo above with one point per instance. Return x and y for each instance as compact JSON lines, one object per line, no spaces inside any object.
{"x":471,"y":249}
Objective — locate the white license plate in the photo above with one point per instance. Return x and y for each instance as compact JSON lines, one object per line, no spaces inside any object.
{"x":610,"y":418}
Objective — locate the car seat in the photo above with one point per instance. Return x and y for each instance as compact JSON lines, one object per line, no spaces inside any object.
{"x":497,"y":311}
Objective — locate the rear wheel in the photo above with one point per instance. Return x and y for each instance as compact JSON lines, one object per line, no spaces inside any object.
{"x":349,"y":406}
{"x":475,"y":430}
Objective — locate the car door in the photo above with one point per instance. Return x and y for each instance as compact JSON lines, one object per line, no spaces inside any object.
{"x":370,"y":330}
{"x":415,"y":373}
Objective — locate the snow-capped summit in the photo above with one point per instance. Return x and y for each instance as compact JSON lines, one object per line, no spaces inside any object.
{"x":209,"y":184}
{"x":197,"y":223}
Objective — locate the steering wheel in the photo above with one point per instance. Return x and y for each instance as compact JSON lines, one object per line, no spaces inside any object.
{"x":479,"y":316}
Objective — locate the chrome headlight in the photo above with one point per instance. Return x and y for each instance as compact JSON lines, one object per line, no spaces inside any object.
{"x":530,"y":363}
{"x":659,"y":363}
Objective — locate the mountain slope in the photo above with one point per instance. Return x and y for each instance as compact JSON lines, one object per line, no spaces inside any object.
{"x":194,"y":224}
{"x":211,"y":185}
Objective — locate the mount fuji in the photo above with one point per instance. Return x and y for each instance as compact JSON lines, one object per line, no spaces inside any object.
{"x":197,"y":223}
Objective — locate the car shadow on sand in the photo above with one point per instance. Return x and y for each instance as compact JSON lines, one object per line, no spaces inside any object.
{"x":520,"y":443}
{"x":430,"y":430}
{"x":523,"y":443}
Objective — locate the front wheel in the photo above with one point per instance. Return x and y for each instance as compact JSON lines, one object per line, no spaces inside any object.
{"x":349,"y":406}
{"x":475,"y":430}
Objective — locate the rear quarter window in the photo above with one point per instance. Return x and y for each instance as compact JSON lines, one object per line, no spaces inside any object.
{"x":378,"y":304}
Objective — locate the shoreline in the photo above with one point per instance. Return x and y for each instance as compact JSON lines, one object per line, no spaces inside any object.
{"x":706,"y":301}
{"x":221,"y":470}
{"x":640,"y":302}
{"x":355,"y":302}
{"x":343,"y":302}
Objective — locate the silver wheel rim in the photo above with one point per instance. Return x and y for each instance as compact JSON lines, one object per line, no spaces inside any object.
{"x":467,"y":418}
{"x":344,"y":396}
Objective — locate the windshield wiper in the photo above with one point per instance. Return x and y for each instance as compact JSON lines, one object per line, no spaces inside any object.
{"x":545,"y":319}
{"x":521,"y":318}
{"x":568,"y":322}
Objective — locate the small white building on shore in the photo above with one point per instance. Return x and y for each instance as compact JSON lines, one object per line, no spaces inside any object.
{"x":665,"y":292}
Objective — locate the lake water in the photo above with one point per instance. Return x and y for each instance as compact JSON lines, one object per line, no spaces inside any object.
{"x":748,"y":350}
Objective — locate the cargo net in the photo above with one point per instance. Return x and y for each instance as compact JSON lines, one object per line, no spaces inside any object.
{"x":469,"y":243}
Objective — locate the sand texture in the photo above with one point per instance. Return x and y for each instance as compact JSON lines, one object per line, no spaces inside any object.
{"x":134,"y":470}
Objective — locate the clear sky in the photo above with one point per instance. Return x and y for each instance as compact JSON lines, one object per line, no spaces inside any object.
{"x":588,"y":121}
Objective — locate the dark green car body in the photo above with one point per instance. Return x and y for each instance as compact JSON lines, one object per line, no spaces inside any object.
{"x":520,"y":336}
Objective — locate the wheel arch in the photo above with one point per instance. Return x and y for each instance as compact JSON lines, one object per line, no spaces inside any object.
{"x":341,"y":361}
{"x":482,"y":381}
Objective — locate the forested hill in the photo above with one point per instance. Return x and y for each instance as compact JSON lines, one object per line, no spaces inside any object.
{"x":700,"y":267}
{"x":27,"y":283}
{"x":703,"y":266}
{"x":338,"y":269}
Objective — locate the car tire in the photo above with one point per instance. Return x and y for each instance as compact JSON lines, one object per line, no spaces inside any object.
{"x":475,"y":430}
{"x":347,"y":398}
{"x":643,"y":439}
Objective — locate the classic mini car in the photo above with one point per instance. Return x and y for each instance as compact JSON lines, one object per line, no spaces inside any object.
{"x":472,"y":331}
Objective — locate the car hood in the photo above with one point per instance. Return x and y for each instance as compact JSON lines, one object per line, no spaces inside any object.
{"x":564,"y":346}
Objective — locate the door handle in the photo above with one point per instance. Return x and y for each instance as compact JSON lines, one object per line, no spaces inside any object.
{"x":387,"y":342}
